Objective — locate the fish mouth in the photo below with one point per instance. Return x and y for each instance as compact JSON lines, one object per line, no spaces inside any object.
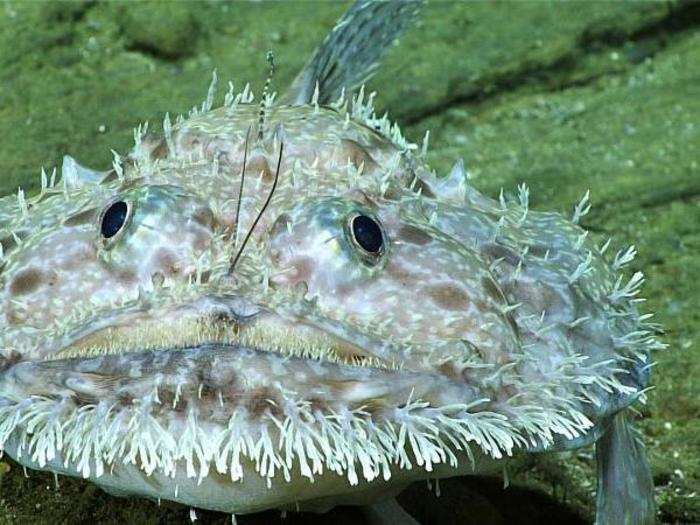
{"x":219,"y":424}
{"x":262,"y":333}
{"x":214,"y":321}
{"x":131,"y":353}
{"x":215,"y":388}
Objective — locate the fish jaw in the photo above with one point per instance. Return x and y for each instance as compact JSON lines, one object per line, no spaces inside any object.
{"x":237,"y":423}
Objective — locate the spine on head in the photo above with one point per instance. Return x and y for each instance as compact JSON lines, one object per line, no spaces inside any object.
{"x":265,"y":95}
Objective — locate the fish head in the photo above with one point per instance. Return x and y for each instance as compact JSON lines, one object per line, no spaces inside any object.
{"x":317,"y":307}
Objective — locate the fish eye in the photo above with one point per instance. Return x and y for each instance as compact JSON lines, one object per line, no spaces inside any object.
{"x":366,"y":233}
{"x":114,"y":218}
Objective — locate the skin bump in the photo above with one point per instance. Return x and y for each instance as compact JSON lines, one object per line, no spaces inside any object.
{"x":354,"y":152}
{"x":414,"y":235}
{"x":80,"y":218}
{"x":167,"y":262}
{"x":260,"y":401}
{"x":448,"y":297}
{"x":27,"y":281}
{"x":492,"y":290}
{"x":205,"y":217}
{"x":258,"y":166}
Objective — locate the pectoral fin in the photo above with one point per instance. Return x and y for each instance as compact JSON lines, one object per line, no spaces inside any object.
{"x":625,"y":486}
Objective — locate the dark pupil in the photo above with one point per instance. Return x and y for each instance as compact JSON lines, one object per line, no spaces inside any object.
{"x":114,"y":219}
{"x":367,"y":233}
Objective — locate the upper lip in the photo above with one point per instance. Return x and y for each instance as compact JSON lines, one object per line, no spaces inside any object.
{"x":225,"y":309}
{"x":232,"y":314}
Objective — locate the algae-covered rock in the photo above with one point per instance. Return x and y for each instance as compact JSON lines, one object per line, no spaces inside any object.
{"x":565,"y":97}
{"x":166,"y":30}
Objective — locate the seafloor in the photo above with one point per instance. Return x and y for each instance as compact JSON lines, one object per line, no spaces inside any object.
{"x":562,"y":96}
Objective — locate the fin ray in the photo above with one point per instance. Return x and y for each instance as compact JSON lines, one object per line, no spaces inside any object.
{"x":350,"y":54}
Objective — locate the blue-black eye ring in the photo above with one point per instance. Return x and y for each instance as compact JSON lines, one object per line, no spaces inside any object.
{"x":366,"y":235}
{"x":114,"y":219}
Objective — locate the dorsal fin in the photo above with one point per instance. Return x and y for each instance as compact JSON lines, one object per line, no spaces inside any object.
{"x":350,"y":54}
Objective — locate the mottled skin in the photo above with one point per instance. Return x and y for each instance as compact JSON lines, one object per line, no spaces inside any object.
{"x":149,"y":364}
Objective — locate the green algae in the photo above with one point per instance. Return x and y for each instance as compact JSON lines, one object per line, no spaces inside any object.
{"x":565,"y":97}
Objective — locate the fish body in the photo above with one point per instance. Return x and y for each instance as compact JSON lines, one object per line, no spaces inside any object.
{"x":280,"y":305}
